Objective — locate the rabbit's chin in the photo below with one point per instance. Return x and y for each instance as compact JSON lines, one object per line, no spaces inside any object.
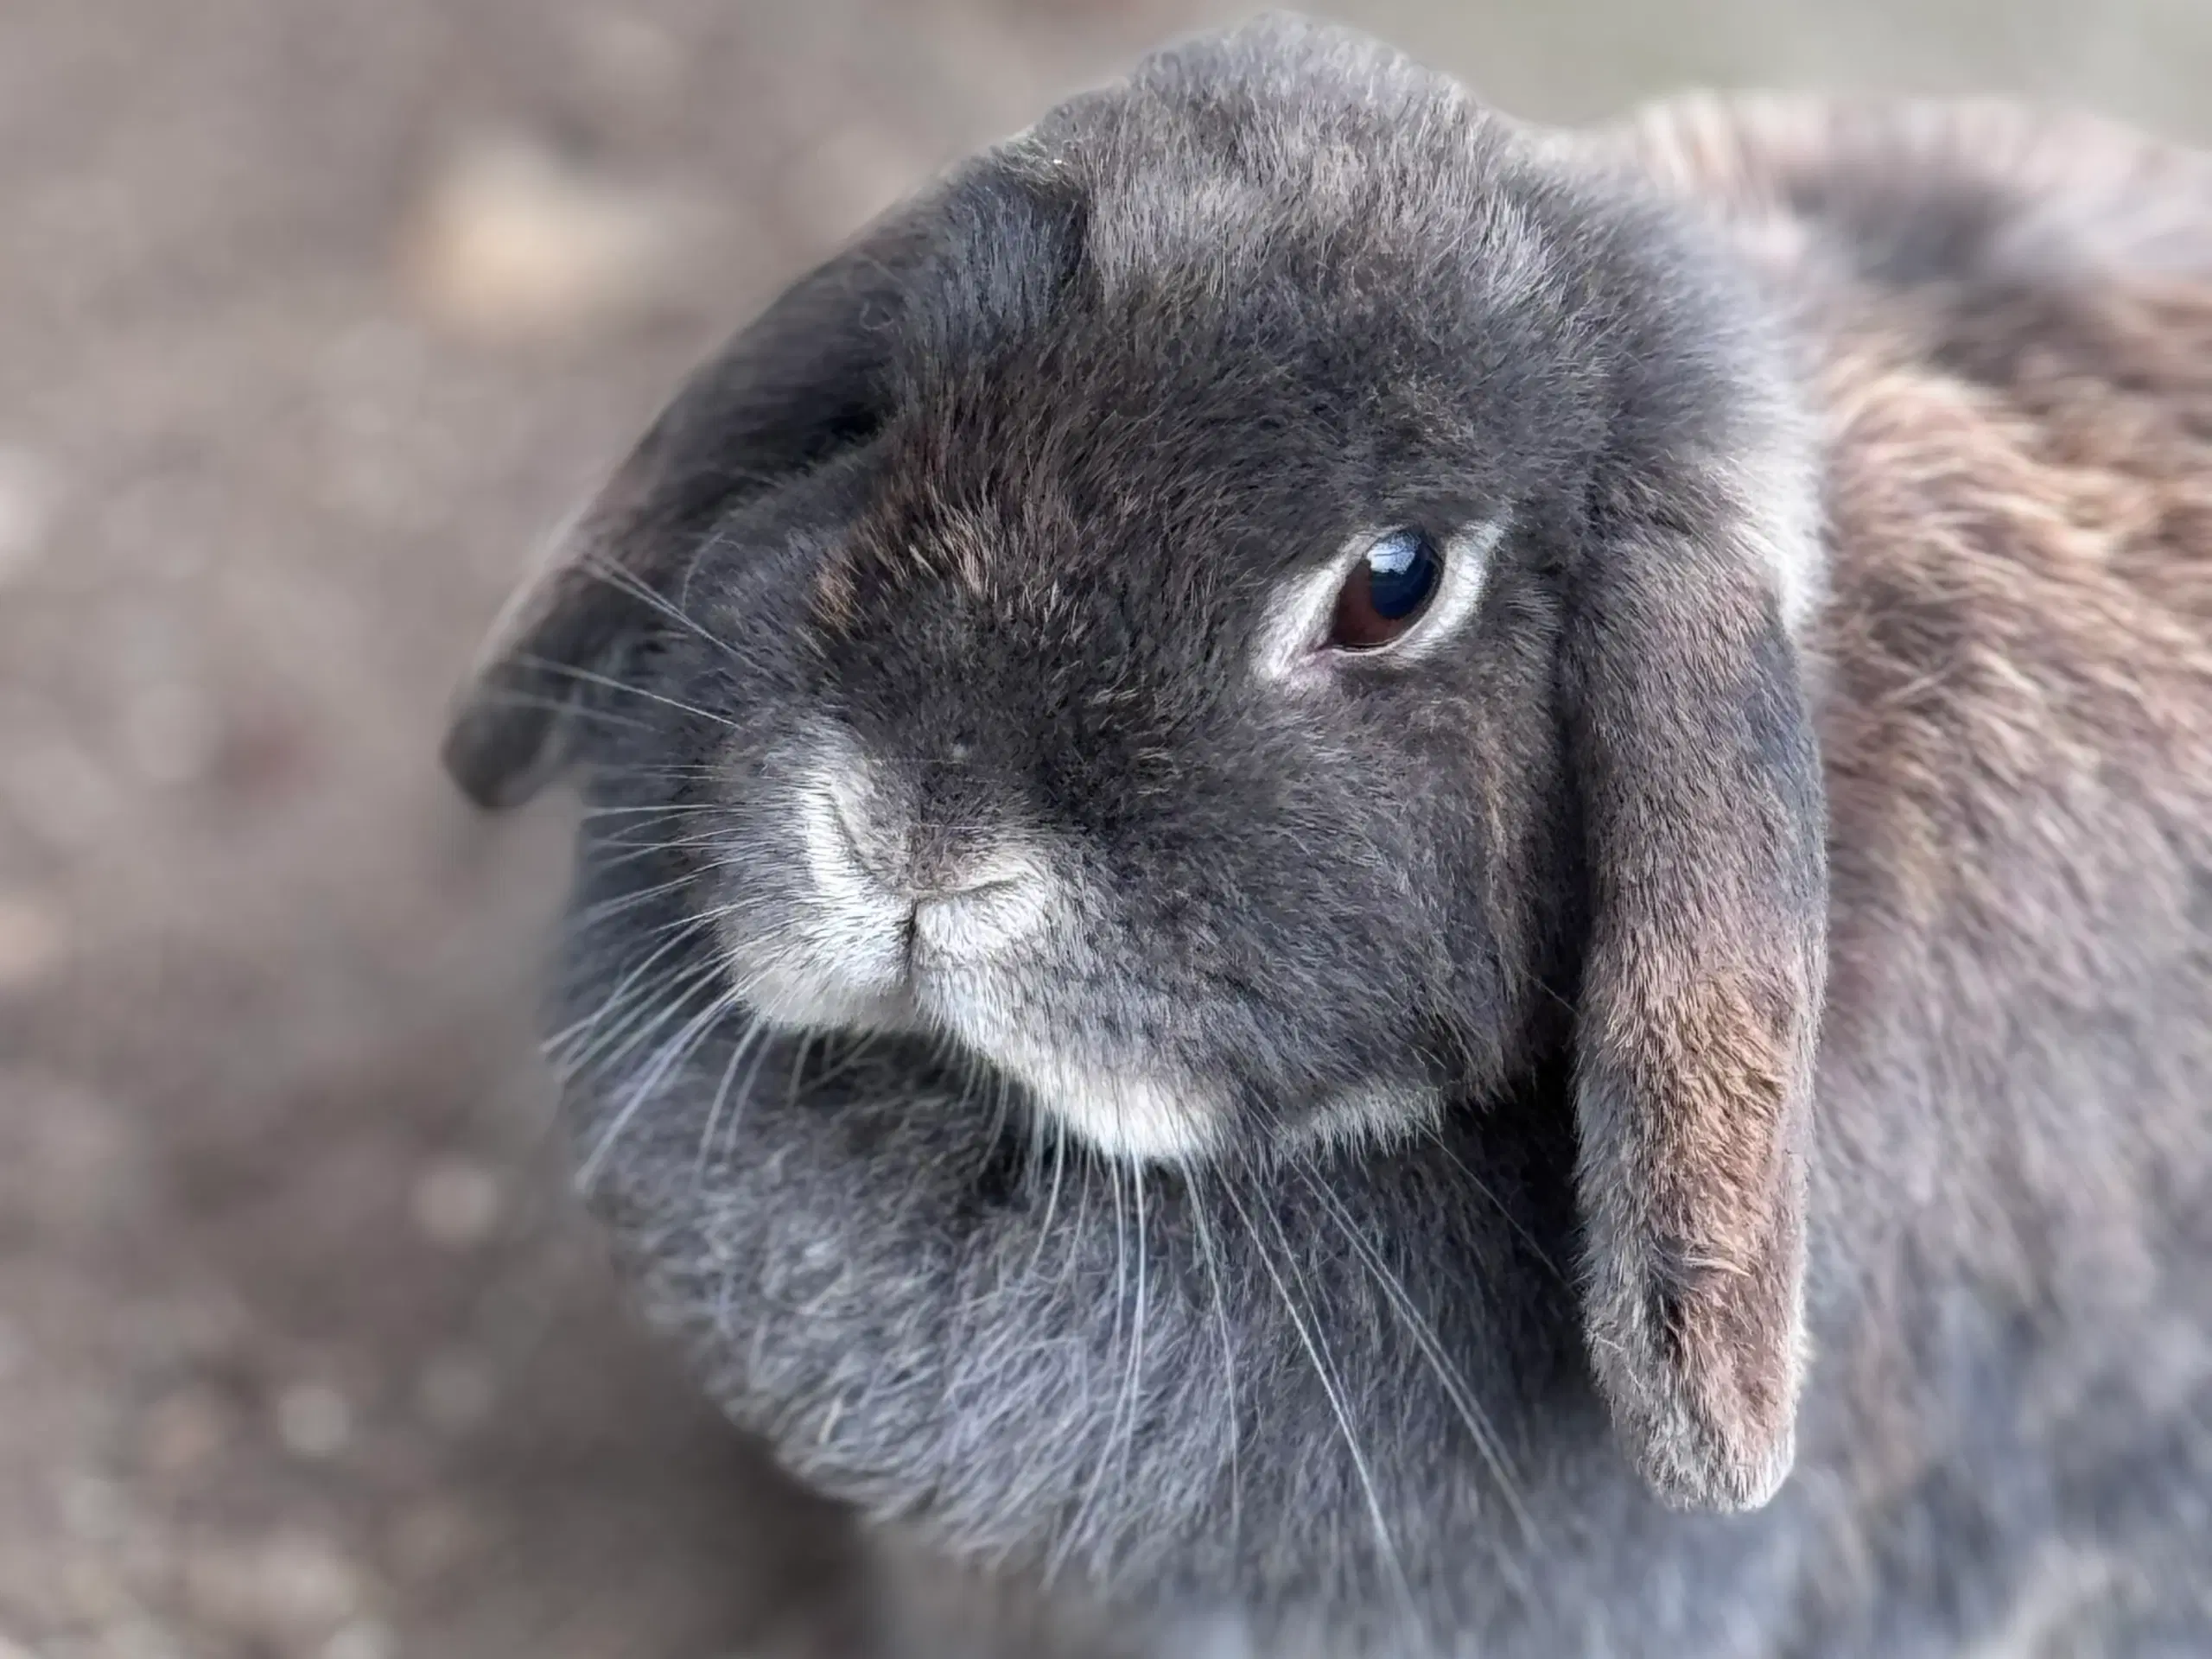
{"x":1138,"y":1115}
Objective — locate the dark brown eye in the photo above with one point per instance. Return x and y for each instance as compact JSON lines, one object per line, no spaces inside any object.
{"x":1387,"y":591}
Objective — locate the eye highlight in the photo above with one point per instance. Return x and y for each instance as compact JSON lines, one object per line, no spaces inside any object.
{"x":1388,"y":589}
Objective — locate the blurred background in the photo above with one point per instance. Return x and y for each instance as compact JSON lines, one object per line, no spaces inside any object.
{"x":313,"y":316}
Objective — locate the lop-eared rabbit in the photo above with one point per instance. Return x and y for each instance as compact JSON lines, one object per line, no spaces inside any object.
{"x":1445,"y":886}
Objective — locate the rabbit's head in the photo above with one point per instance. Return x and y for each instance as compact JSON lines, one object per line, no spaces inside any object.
{"x":1253,"y":615}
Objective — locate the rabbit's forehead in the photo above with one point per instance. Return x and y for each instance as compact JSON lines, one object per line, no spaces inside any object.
{"x":1377,"y":216}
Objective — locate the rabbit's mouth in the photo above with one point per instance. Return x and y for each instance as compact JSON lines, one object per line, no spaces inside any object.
{"x":988,"y":946}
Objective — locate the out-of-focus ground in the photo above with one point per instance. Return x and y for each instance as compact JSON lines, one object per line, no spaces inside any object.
{"x":314,"y":314}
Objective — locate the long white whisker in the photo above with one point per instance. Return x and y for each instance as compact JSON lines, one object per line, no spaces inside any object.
{"x":637,"y":1022}
{"x":1134,"y":1385}
{"x":608,"y":909}
{"x":1234,"y":1428}
{"x":665,"y":810}
{"x":569,"y":670}
{"x":672,"y":1054}
{"x":1504,"y":1211}
{"x":1053,"y":1199}
{"x":1097,"y":1483}
{"x":628,"y":581}
{"x":746,"y":1041}
{"x":565,"y":706}
{"x":640,"y":1026}
{"x":634,"y":851}
{"x":1317,"y":1356}
{"x":1471,"y":1415}
{"x":677,"y":931}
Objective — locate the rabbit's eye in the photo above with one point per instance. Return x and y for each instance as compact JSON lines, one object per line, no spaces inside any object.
{"x":1387,"y":591}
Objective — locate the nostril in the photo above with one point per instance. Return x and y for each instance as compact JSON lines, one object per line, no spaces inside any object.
{"x":864,"y":851}
{"x":845,"y":850}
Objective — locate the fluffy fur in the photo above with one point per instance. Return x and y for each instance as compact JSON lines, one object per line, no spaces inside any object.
{"x":1508,"y":1207}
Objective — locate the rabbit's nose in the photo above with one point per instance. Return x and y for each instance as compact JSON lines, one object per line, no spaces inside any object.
{"x":979,"y":907}
{"x":961,"y":898}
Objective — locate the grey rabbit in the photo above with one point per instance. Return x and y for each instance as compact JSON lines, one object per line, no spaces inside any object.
{"x":1443,"y":887}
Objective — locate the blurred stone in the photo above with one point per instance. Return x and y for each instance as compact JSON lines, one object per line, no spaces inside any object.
{"x":636,"y":61}
{"x":455,"y":1393}
{"x":313,"y":1420}
{"x":72,"y":1161}
{"x":91,"y":1507}
{"x":456,"y":1203}
{"x":512,"y":241}
{"x":33,"y":941}
{"x":181,"y":1432}
{"x":200,"y":1330}
{"x":434,"y":1538}
{"x":275,"y":1590}
{"x":170,"y":733}
{"x":362,"y":1639}
{"x":59,"y":789}
{"x":28,"y":503}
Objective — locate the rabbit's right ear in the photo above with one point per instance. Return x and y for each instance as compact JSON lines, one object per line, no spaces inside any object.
{"x":819,"y":371}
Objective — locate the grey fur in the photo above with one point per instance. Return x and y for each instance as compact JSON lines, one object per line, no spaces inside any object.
{"x":999,"y":495}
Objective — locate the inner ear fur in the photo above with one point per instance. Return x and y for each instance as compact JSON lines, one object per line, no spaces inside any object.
{"x":1700,"y":1003}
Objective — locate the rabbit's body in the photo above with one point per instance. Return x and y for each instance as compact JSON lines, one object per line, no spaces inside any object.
{"x":1359,"y":1387}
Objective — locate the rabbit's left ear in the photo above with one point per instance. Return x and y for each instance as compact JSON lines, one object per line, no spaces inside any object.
{"x":1703,"y":809}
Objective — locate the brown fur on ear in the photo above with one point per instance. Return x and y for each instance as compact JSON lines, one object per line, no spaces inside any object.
{"x":1700,"y":1003}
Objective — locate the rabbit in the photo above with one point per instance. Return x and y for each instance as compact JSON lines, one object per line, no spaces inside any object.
{"x":1420,"y":887}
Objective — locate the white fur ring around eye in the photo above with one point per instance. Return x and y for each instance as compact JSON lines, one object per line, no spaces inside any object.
{"x":1411,"y":597}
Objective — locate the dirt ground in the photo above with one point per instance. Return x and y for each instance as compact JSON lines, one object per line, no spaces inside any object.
{"x":314,"y":314}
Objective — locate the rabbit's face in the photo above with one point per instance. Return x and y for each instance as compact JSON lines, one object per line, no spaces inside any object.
{"x":1169,"y":725}
{"x":1259,"y":617}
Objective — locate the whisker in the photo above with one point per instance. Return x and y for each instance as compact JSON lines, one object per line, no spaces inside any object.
{"x":1234,"y":1428}
{"x":608,"y":909}
{"x":627,"y":580}
{"x":1096,"y":1485}
{"x":641,"y":1024}
{"x":672,"y":1054}
{"x":677,"y":931}
{"x":665,"y":810}
{"x":500,"y":697}
{"x":1053,"y":1200}
{"x":1134,"y":1385}
{"x":746,"y":1041}
{"x":1471,"y":1415}
{"x":1316,"y":1354}
{"x":587,"y":676}
{"x":635,"y":851}
{"x":1505,"y":1212}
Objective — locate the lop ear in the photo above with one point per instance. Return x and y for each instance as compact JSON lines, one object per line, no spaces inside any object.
{"x":818,"y":372}
{"x":802,"y":381}
{"x":1703,"y":809}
